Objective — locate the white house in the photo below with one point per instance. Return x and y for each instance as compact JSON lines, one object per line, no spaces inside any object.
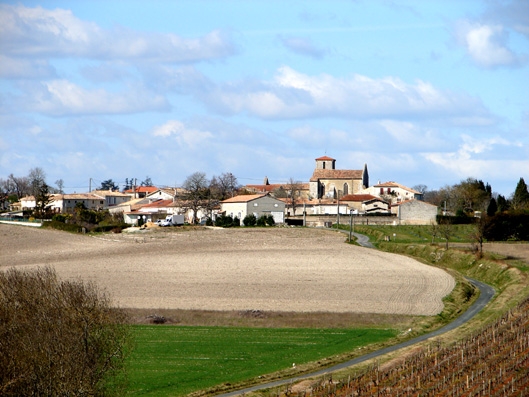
{"x":393,"y":191}
{"x":257,"y":204}
{"x":366,"y":203}
{"x":112,"y":198}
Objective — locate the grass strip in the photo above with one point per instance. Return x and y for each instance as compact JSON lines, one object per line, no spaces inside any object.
{"x":173,"y":360}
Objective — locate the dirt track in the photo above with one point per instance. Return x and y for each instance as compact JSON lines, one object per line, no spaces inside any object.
{"x":278,"y":269}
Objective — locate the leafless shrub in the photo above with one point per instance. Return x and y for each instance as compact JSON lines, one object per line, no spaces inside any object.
{"x":58,"y":337}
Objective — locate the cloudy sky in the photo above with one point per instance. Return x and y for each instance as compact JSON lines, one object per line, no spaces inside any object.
{"x":424,"y":92}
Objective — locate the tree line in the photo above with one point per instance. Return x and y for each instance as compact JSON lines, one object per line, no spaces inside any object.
{"x":472,"y":195}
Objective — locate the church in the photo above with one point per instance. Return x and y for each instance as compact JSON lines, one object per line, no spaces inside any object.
{"x":329,"y":183}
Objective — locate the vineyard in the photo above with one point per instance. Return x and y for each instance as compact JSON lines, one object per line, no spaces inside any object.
{"x":494,"y":362}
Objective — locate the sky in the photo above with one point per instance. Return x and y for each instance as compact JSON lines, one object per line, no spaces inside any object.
{"x":423,"y":92}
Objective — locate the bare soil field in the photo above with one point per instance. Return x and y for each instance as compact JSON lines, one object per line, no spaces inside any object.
{"x":274,"y":269}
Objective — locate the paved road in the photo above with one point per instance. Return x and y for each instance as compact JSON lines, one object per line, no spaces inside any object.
{"x":486,"y":294}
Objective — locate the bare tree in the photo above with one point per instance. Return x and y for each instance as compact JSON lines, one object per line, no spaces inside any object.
{"x":446,"y":230}
{"x":434,"y":230}
{"x":293,"y":191}
{"x":60,"y":186}
{"x":197,"y":193}
{"x":19,"y":186}
{"x":58,"y":338}
{"x":37,"y":178}
{"x":224,"y":186}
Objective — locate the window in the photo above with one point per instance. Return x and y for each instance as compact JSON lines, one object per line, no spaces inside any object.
{"x":345,"y":189}
{"x":324,"y":165}
{"x":255,"y":204}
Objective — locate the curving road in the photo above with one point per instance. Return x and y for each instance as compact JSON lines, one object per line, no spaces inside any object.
{"x":486,"y":294}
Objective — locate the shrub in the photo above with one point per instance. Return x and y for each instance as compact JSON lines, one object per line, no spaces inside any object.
{"x":224,"y":221}
{"x":270,"y":220}
{"x":261,"y":221}
{"x":59,"y":218}
{"x":249,"y":220}
{"x":58,"y":338}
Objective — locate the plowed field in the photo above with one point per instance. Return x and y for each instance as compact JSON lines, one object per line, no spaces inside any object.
{"x":279,"y":269}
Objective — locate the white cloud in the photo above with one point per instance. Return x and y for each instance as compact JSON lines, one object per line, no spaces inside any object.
{"x":474,"y":158}
{"x":292,"y":94}
{"x":184,"y":136}
{"x":14,"y":68}
{"x":486,"y":44}
{"x":40,"y":32}
{"x":62,"y":97}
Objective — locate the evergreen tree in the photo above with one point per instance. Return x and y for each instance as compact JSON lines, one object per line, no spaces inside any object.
{"x":520,"y":198}
{"x":492,"y":208}
{"x":502,"y":203}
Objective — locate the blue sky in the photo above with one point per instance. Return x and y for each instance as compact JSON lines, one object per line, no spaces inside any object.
{"x":424,"y":92}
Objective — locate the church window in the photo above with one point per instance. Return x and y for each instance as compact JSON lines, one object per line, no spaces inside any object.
{"x":345,"y":189}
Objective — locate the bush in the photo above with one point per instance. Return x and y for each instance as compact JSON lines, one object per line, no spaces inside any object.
{"x":58,"y":338}
{"x":224,"y":221}
{"x":249,"y":220}
{"x":270,"y":220}
{"x":261,"y":221}
{"x":59,"y":218}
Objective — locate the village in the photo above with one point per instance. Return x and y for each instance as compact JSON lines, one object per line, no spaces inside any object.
{"x":329,"y":194}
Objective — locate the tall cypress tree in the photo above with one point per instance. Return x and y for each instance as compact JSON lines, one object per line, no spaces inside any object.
{"x":520,"y":198}
{"x":492,"y":208}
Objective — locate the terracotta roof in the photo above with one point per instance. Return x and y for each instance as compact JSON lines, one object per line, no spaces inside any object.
{"x":77,"y":196}
{"x":325,"y":158}
{"x":395,"y":184}
{"x":243,"y":198}
{"x":336,"y":174}
{"x":360,"y":197}
{"x":142,"y":189}
{"x":158,"y":203}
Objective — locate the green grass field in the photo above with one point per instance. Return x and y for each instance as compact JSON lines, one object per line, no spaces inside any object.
{"x":412,"y":234}
{"x":174,"y":361}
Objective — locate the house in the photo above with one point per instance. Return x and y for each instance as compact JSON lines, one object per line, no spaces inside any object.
{"x":112,"y":198}
{"x":415,"y":212}
{"x":165,"y":193}
{"x":328,"y":182}
{"x":257,"y":204}
{"x":66,"y":203}
{"x":140,"y":191}
{"x":366,"y":203}
{"x":393,"y":191}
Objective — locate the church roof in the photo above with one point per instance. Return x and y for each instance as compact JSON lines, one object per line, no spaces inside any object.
{"x":325,"y":158}
{"x":336,"y":174}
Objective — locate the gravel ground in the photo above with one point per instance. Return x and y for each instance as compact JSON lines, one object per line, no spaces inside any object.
{"x":279,"y":269}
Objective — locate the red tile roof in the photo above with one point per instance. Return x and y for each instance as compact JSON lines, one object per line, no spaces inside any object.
{"x":395,"y":184}
{"x":143,"y":189}
{"x":325,"y":158}
{"x":158,"y":203}
{"x":359,"y":197}
{"x":336,"y":174}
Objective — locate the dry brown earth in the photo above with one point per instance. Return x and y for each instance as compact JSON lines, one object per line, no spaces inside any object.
{"x":279,"y":269}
